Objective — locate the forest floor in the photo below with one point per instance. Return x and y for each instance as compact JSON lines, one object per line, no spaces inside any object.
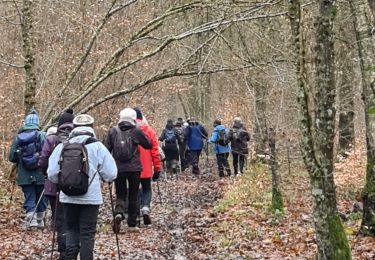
{"x":210,"y":218}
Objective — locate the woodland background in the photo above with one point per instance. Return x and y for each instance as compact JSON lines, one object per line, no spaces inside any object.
{"x":205,"y":59}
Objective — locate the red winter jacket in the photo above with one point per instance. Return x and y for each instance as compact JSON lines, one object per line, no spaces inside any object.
{"x":149,"y":158}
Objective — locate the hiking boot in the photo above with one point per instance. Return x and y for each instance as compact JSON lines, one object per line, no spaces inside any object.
{"x":30,"y":223}
{"x":40,"y":219}
{"x":146,"y":220}
{"x":133,"y":229}
{"x":117,"y":223}
{"x":146,"y":216}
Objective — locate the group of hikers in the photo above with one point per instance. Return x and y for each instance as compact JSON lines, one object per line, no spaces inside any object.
{"x":75,"y":161}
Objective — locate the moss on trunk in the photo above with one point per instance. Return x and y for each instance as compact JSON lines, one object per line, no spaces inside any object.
{"x":277,"y":201}
{"x":368,"y":196}
{"x":341,"y":249}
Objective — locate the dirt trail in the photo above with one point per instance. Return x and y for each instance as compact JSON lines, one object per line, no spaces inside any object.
{"x":177,"y":231}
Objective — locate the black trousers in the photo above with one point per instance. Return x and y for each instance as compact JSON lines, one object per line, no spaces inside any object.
{"x":194,"y":157}
{"x":222,"y":163}
{"x":81,"y":228}
{"x":238,"y":159}
{"x":122,"y":192}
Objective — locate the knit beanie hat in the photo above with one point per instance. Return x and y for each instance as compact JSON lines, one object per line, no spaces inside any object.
{"x":128,"y":115}
{"x":217,"y":122}
{"x":237,"y":120}
{"x":83,"y":120}
{"x":139,"y":113}
{"x":32,"y":118}
{"x":66,"y":117}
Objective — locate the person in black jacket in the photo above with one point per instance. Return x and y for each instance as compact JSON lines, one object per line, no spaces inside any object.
{"x":128,"y":164}
{"x":171,"y":141}
{"x":239,"y":138}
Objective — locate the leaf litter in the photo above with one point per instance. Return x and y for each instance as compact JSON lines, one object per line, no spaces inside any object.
{"x":210,"y":218}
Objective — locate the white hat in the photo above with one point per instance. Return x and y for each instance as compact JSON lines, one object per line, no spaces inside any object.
{"x":52,"y":130}
{"x":83,"y":120}
{"x":128,"y":115}
{"x":237,"y":119}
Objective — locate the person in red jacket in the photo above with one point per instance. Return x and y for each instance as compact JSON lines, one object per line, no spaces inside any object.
{"x":151,"y":166}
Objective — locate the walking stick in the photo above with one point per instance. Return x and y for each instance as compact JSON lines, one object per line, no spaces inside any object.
{"x":113,"y":214}
{"x":11,"y":198}
{"x":28,"y":224}
{"x":157,"y":184}
{"x":179,"y":157}
{"x":54,"y":224}
{"x":207,"y":170}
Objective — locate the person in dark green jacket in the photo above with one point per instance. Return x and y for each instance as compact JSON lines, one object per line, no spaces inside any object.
{"x":24,"y":152}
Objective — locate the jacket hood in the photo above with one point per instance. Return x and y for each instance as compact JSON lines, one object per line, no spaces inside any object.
{"x":219,"y":127}
{"x":237,"y":124}
{"x":66,"y":126}
{"x":29,"y":127}
{"x":125,"y":125}
{"x":81,"y":133}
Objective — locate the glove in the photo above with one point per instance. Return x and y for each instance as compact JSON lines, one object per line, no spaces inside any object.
{"x":156,"y":176}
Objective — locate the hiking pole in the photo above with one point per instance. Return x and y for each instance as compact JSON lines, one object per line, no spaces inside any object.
{"x":11,"y":198}
{"x":28,"y":224}
{"x":157,"y":184}
{"x":54,"y":224}
{"x":207,"y":170}
{"x":179,"y":157}
{"x":113,"y":214}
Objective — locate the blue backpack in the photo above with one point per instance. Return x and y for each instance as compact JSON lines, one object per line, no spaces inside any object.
{"x":29,"y":148}
{"x":170,"y":136}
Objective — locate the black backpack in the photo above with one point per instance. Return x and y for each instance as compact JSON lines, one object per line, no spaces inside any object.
{"x":124,"y":147}
{"x":223,"y":137}
{"x":170,"y":136}
{"x":74,"y":168}
{"x":180,"y":133}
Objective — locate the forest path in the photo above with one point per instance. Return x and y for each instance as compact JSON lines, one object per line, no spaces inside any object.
{"x":177,"y":230}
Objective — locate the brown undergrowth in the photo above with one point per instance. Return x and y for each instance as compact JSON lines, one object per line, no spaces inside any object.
{"x":246,"y":227}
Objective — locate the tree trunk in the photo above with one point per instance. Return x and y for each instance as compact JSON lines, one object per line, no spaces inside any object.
{"x":372,"y":7}
{"x":260,"y":130}
{"x":28,"y":55}
{"x":364,"y":40}
{"x":277,"y":198}
{"x":318,"y":137}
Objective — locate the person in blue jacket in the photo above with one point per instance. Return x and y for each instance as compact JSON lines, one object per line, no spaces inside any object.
{"x":195,"y":133}
{"x":222,"y":151}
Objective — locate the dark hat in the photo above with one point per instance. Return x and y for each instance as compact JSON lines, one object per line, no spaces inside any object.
{"x":66,"y":117}
{"x":139,"y":113}
{"x":217,"y":122}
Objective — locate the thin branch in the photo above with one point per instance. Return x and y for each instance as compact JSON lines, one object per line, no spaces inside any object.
{"x":11,"y":65}
{"x":155,"y":78}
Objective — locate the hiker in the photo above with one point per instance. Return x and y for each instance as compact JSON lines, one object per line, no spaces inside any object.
{"x":24,"y":152}
{"x":171,"y":141}
{"x":151,"y":167}
{"x":122,"y":141}
{"x":221,"y":141}
{"x":239,"y":138}
{"x":81,"y":195}
{"x":182,"y":145}
{"x":195,"y":133}
{"x":61,"y":135}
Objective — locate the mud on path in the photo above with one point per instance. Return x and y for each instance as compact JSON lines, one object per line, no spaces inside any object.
{"x":179,"y":227}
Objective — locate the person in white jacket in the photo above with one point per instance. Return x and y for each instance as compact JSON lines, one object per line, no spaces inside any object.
{"x":82,"y":211}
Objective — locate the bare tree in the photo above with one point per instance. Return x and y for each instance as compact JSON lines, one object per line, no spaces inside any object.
{"x":318,"y":135}
{"x":366,"y":53}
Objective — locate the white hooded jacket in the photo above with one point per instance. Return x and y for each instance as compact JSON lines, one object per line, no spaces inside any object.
{"x":100,"y":161}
